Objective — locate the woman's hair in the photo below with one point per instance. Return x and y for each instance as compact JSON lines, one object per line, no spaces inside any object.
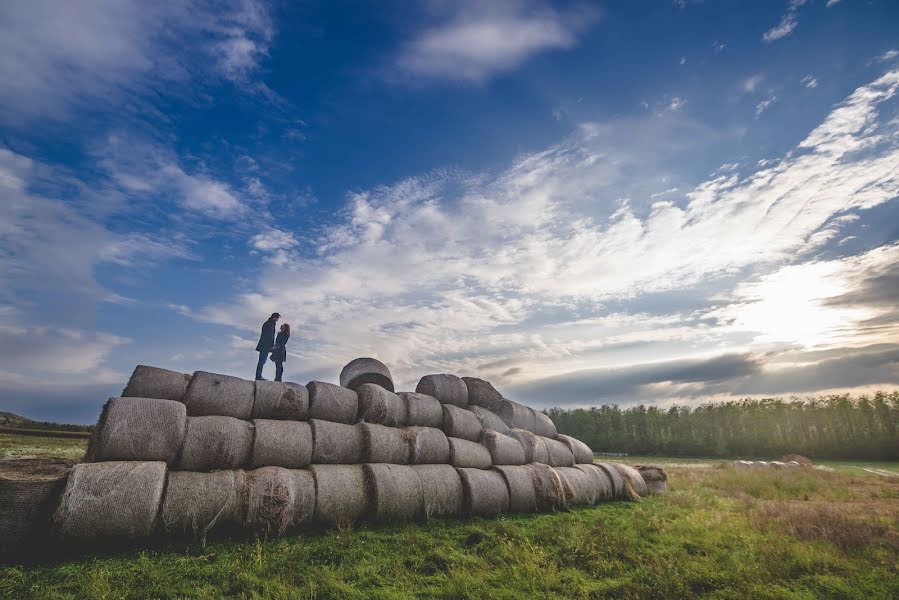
{"x":285,"y":327}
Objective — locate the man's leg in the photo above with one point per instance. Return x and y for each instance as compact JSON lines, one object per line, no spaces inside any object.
{"x":263,"y":356}
{"x":279,"y":370}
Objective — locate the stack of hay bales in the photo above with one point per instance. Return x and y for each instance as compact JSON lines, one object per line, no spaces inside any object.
{"x":207,"y":454}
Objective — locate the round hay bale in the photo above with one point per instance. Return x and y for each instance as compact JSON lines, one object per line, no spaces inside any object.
{"x":394,"y":492}
{"x":427,"y":446}
{"x":535,"y":450}
{"x":520,"y":481}
{"x":214,"y":443}
{"x":441,"y":489}
{"x":211,"y":394}
{"x":489,"y":420}
{"x":619,"y":490}
{"x":461,"y":423}
{"x":797,"y":458}
{"x":29,"y":491}
{"x":377,"y":405}
{"x":654,"y":474}
{"x":448,"y":389}
{"x":197,"y":504}
{"x":330,"y":402}
{"x":559,"y":454}
{"x":600,"y":484}
{"x":279,"y":499}
{"x":277,"y":400}
{"x":504,"y":450}
{"x":139,"y":429}
{"x":153,"y":382}
{"x":579,"y":489}
{"x":335,"y":443}
{"x":517,"y":415}
{"x":482,"y":393}
{"x":632,"y":476}
{"x":366,"y":370}
{"x":340,"y":494}
{"x":279,"y":443}
{"x":110,"y":500}
{"x":582,"y":453}
{"x":741,"y":464}
{"x":382,"y":444}
{"x":548,"y":491}
{"x":467,"y":454}
{"x":422,"y":410}
{"x":543,"y":425}
{"x":484,"y":492}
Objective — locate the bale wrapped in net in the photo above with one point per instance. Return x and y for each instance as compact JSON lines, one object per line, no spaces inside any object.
{"x":490,"y":420}
{"x":110,"y":500}
{"x":377,"y":405}
{"x":601,"y":484}
{"x":153,"y":382}
{"x":484,"y":492}
{"x":559,"y":454}
{"x":461,"y":423}
{"x":655,"y":477}
{"x":535,"y":450}
{"x":211,"y":394}
{"x":441,"y":490}
{"x":341,"y":497}
{"x":520,"y":482}
{"x":279,"y":499}
{"x":548,"y":491}
{"x":277,"y":400}
{"x":213,"y":443}
{"x":366,"y":370}
{"x":427,"y":446}
{"x":29,"y":492}
{"x":330,"y":402}
{"x":422,"y":410}
{"x":580,"y":488}
{"x":394,"y":492}
{"x":467,"y":454}
{"x":632,"y":476}
{"x":517,"y":415}
{"x":482,"y":393}
{"x":581,"y":451}
{"x":139,"y":429}
{"x":335,"y":443}
{"x":199,"y":504}
{"x":448,"y":389}
{"x":280,"y":443}
{"x":620,"y":491}
{"x":382,"y":444}
{"x":504,"y":450}
{"x":543,"y":425}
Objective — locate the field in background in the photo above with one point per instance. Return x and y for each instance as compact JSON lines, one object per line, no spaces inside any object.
{"x":15,"y":445}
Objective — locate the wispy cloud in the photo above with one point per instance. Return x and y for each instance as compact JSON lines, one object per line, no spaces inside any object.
{"x":764,"y":105}
{"x":809,"y":81}
{"x":788,"y":22}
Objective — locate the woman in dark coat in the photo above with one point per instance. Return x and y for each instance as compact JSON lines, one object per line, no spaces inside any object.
{"x":279,"y":352}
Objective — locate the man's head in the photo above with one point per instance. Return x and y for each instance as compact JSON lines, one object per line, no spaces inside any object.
{"x":275,"y":317}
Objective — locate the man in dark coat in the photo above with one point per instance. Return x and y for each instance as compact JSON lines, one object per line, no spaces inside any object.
{"x":266,"y":342}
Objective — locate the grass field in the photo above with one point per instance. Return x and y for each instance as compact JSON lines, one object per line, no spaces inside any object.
{"x":719,"y":533}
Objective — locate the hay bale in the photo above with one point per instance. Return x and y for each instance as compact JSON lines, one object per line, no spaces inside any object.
{"x":600,"y":484}
{"x":139,"y":429}
{"x":394,"y":492}
{"x":377,"y":405}
{"x":448,"y":389}
{"x":340,"y":494}
{"x":153,"y":382}
{"x":517,"y":415}
{"x":582,"y":453}
{"x":504,"y":450}
{"x":655,"y":477}
{"x":482,"y":393}
{"x":543,"y":425}
{"x":535,"y":450}
{"x":213,"y":443}
{"x":489,"y":420}
{"x":366,"y":370}
{"x":382,"y":444}
{"x":277,"y":400}
{"x":797,"y":458}
{"x":461,"y":423}
{"x":279,"y":499}
{"x":741,"y":464}
{"x":558,"y":454}
{"x":330,"y":402}
{"x":520,"y":482}
{"x":632,"y":477}
{"x":484,"y":492}
{"x":279,"y":443}
{"x":427,"y":446}
{"x":467,"y":454}
{"x":441,"y":489}
{"x":211,"y":394}
{"x":29,"y":491}
{"x":548,"y":491}
{"x":580,"y":489}
{"x":422,"y":410}
{"x":619,"y":489}
{"x":110,"y":500}
{"x":197,"y":504}
{"x":335,"y":443}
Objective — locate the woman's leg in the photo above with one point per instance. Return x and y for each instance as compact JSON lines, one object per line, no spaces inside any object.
{"x":279,"y":370}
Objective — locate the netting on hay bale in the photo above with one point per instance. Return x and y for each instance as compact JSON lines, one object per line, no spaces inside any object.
{"x":139,"y":429}
{"x":619,"y":490}
{"x":153,"y":382}
{"x":341,"y":497}
{"x":377,"y":405}
{"x":29,"y":491}
{"x":549,"y":493}
{"x":484,"y":492}
{"x":600,"y":480}
{"x":212,"y":394}
{"x":482,"y":394}
{"x":522,"y":491}
{"x":504,"y":450}
{"x":441,"y":489}
{"x":366,"y":370}
{"x":394,"y":492}
{"x":559,"y":454}
{"x":534,"y":446}
{"x":382,"y":444}
{"x":518,"y":415}
{"x":422,"y":410}
{"x":277,"y":400}
{"x":213,"y":443}
{"x":579,"y":450}
{"x":448,"y":389}
{"x":427,"y":446}
{"x":467,"y":454}
{"x":279,"y":443}
{"x":655,"y":477}
{"x":329,"y":402}
{"x":335,"y":443}
{"x":543,"y":425}
{"x":279,"y":499}
{"x":490,"y":420}
{"x":197,"y":504}
{"x":633,"y":478}
{"x":461,"y":423}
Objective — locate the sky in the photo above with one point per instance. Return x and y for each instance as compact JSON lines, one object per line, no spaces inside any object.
{"x":585,"y":202}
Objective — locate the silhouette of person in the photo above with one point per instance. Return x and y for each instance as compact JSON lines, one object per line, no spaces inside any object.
{"x":266,"y":343}
{"x":279,"y":353}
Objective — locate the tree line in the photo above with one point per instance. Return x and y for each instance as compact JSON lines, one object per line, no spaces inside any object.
{"x":840,"y":427}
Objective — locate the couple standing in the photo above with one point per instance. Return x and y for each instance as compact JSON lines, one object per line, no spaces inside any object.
{"x":269,"y":345}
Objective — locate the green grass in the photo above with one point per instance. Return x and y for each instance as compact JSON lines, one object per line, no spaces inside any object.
{"x":14,"y":445}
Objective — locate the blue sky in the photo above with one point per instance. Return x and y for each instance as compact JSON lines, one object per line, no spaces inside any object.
{"x":584,"y":202}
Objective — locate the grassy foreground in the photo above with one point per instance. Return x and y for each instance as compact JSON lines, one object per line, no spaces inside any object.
{"x":719,"y":533}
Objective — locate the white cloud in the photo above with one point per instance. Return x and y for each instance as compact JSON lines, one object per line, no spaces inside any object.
{"x":888,"y":56}
{"x":809,"y":81}
{"x":788,"y":22}
{"x":719,"y":47}
{"x":764,"y":105}
{"x":751,"y":83}
{"x":831,"y":3}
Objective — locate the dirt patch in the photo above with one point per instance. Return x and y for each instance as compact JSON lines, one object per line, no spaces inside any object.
{"x":36,"y":469}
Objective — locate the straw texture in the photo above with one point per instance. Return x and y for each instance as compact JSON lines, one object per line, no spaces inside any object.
{"x":482,"y":393}
{"x":484,"y":492}
{"x":394,"y":492}
{"x":335,"y":443}
{"x":448,"y":389}
{"x":197,"y":504}
{"x":461,"y":423}
{"x":279,"y":443}
{"x":504,"y":450}
{"x":548,"y":491}
{"x":331,"y":402}
{"x":214,"y":443}
{"x":427,"y":446}
{"x":341,"y":497}
{"x":377,"y":405}
{"x":517,"y":415}
{"x":559,"y":454}
{"x":422,"y":410}
{"x":153,"y":382}
{"x":277,"y":400}
{"x":581,"y":451}
{"x":382,"y":444}
{"x":223,"y":395}
{"x":279,"y":499}
{"x":467,"y":454}
{"x":366,"y":370}
{"x":441,"y":490}
{"x":139,"y":429}
{"x":490,"y":420}
{"x":522,"y":493}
